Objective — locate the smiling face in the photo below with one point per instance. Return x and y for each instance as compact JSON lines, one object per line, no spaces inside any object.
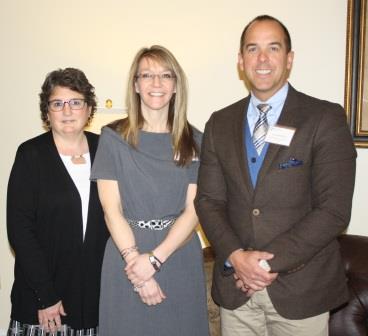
{"x":155,"y":85}
{"x":264,"y":59}
{"x":67,"y":121}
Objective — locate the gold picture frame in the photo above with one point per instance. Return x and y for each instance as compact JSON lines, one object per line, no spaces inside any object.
{"x":356,"y":73}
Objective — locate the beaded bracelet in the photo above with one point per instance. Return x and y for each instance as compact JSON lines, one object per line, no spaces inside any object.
{"x":125,"y":252}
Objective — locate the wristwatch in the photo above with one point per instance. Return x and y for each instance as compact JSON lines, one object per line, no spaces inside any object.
{"x":155,"y":262}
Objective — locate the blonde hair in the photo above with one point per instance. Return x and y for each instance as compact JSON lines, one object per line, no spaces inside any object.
{"x":184,"y":145}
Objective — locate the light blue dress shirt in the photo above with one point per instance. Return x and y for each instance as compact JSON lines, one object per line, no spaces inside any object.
{"x":276,"y":101}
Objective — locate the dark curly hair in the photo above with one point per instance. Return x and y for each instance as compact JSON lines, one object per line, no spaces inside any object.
{"x":71,"y":78}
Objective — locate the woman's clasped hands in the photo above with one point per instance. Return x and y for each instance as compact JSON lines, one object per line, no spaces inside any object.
{"x":140,"y":271}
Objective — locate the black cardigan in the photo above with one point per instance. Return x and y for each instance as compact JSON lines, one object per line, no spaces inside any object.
{"x":44,"y":222}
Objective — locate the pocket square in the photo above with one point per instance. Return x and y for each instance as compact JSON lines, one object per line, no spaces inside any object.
{"x":293,"y":162}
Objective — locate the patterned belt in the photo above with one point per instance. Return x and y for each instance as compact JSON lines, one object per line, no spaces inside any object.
{"x":22,"y":329}
{"x":153,"y":224}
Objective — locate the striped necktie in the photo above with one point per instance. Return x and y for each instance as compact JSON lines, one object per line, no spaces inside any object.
{"x":261,"y":127}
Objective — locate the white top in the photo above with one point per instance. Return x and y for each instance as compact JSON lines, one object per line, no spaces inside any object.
{"x":80,"y":175}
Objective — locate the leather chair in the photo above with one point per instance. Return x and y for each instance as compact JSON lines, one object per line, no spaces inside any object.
{"x":350,"y":319}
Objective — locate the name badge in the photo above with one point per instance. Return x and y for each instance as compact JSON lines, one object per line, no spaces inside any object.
{"x":280,"y":135}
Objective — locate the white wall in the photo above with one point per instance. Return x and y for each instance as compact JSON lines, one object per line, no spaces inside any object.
{"x":101,"y":37}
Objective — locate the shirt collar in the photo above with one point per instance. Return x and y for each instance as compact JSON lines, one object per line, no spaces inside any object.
{"x":278,"y":98}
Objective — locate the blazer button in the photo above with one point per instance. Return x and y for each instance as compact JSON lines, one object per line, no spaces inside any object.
{"x":256,"y":212}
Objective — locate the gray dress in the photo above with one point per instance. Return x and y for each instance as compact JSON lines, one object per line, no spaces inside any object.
{"x":151,"y":187}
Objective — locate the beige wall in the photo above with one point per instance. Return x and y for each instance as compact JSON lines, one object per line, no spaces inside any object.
{"x":100,"y":37}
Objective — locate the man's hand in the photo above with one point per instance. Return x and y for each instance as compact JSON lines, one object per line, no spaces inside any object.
{"x":244,"y":288}
{"x":248,"y":273}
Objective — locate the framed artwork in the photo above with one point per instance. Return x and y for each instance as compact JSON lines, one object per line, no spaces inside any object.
{"x":356,"y":78}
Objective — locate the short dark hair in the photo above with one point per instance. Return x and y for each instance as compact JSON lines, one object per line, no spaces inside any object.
{"x":267,"y":18}
{"x":71,"y":78}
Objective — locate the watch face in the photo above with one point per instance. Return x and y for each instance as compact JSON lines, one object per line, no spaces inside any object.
{"x":154,"y":262}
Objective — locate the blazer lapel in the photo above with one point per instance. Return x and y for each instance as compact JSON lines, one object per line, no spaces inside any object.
{"x":239,"y":139}
{"x":288,"y":118}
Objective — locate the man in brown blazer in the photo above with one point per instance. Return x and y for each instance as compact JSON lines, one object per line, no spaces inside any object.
{"x":275,"y":188}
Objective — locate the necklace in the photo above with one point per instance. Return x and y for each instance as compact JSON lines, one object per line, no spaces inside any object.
{"x":78,"y":159}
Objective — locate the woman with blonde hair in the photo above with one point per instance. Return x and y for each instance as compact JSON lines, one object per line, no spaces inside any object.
{"x":146,"y":171}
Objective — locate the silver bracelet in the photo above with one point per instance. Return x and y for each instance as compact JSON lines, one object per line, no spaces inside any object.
{"x":125,"y":252}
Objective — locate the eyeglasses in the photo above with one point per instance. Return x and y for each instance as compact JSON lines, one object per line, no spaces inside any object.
{"x":149,"y":76}
{"x":57,"y":105}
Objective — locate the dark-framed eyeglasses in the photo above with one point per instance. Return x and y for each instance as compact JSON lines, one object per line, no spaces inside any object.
{"x":57,"y":105}
{"x":150,"y":76}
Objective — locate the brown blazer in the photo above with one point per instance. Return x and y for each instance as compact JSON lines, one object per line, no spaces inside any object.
{"x":295,"y":213}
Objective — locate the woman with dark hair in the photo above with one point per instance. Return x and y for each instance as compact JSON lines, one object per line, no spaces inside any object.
{"x":146,"y":171}
{"x":54,"y":218}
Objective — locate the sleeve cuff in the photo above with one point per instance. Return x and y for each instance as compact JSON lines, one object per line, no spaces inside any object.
{"x":46,"y":296}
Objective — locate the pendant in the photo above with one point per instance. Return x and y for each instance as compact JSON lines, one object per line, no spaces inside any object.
{"x":78,"y":159}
